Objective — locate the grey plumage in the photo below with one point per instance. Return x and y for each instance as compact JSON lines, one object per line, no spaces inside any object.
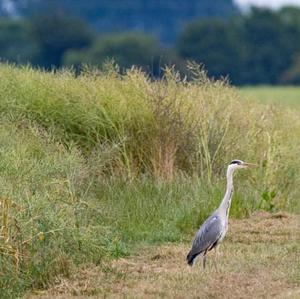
{"x":214,"y":228}
{"x":207,"y":237}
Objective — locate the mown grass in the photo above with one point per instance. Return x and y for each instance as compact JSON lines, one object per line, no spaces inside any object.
{"x":95,"y":165}
{"x":259,"y":257}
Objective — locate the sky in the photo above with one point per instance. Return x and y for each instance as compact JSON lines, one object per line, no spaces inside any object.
{"x":275,"y":4}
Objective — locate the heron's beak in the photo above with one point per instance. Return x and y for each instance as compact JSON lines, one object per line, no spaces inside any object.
{"x":249,"y":164}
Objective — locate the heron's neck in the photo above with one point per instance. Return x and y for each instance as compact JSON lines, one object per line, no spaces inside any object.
{"x":225,"y":204}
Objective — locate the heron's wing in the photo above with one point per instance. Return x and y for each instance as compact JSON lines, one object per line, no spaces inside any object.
{"x":208,"y":234}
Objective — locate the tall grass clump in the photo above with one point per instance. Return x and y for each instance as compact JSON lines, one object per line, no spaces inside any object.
{"x":43,"y":214}
{"x":135,"y":127}
{"x":93,"y":164}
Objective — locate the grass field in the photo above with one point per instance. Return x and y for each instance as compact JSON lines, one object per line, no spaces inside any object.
{"x":96,"y":167}
{"x":260,"y":258}
{"x":288,"y":95}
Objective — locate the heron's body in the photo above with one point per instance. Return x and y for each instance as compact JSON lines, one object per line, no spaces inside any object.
{"x":215,"y":227}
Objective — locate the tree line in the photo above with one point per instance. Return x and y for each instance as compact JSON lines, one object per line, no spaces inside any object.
{"x":164,"y":18}
{"x":260,"y":47}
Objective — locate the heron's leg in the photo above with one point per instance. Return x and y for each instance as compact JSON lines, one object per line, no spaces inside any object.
{"x":217,"y":251}
{"x":204,"y":261}
{"x":216,"y":257}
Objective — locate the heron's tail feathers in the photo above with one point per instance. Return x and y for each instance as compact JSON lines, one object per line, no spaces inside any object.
{"x":191,"y":258}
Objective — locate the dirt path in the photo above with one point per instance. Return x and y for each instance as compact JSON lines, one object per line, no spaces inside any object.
{"x":259,"y":259}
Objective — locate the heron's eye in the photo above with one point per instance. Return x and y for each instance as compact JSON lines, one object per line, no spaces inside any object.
{"x":236,"y":162}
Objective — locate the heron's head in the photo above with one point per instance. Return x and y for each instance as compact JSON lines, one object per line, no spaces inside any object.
{"x":236,"y":164}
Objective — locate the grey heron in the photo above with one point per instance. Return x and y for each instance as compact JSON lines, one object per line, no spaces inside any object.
{"x":214,"y":229}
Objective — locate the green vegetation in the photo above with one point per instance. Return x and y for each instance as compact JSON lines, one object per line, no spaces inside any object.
{"x":16,"y":45}
{"x":283,"y":95}
{"x":94,"y":165}
{"x":260,"y":47}
{"x":258,"y":256}
{"x":164,"y":18}
{"x":125,"y":49}
{"x":52,"y":41}
{"x":257,"y":48}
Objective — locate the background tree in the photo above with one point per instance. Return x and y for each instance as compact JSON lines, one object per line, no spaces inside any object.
{"x":216,"y":44}
{"x":15,"y":42}
{"x":259,"y":47}
{"x":55,"y":34}
{"x":268,"y":47}
{"x":125,"y":49}
{"x":292,"y":75}
{"x":256,"y":48}
{"x":162,"y":18}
